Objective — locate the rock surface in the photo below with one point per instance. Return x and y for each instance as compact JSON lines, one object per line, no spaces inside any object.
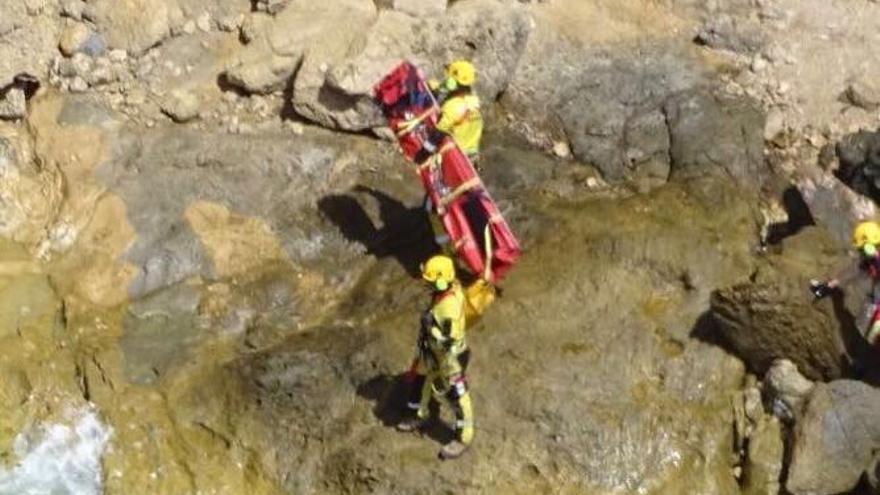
{"x":766,"y":450}
{"x":182,"y":106}
{"x":773,"y":316}
{"x":835,"y":442}
{"x":787,"y":389}
{"x":235,"y":296}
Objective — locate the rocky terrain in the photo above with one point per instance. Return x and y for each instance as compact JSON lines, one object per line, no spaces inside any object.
{"x":209,"y":247}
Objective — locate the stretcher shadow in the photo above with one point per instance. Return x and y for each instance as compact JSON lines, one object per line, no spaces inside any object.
{"x":389,"y":395}
{"x":406,"y":235}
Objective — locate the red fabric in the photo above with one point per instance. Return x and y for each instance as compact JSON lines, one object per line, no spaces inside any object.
{"x":412,"y":373}
{"x":455,"y":169}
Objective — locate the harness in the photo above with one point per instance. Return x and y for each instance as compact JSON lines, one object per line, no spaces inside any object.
{"x":871,"y":266}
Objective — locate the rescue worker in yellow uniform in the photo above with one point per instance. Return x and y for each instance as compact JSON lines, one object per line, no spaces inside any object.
{"x":460,"y":114}
{"x":460,"y":118}
{"x":866,"y":242}
{"x":442,"y":356}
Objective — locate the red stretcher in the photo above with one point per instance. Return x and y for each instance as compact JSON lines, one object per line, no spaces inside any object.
{"x":478,"y":233}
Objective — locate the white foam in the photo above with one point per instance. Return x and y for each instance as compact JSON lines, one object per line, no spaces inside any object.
{"x":58,"y":459}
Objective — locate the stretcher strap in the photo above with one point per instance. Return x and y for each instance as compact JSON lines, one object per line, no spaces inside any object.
{"x":411,"y":125}
{"x":430,"y":163}
{"x":461,"y":189}
{"x":487,"y":240}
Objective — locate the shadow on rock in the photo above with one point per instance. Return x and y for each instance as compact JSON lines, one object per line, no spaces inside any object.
{"x":405,"y":235}
{"x":798,"y":214}
{"x":389,"y":394}
{"x":860,"y":358}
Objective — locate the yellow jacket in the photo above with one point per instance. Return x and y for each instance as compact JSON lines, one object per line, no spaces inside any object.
{"x":447,"y":330}
{"x":460,"y":117}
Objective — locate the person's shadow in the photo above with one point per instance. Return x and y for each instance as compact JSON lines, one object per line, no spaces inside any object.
{"x":406,"y":234}
{"x":390,"y":394}
{"x":859,"y":360}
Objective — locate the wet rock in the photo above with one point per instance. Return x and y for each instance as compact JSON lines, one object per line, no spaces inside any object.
{"x":421,"y":8}
{"x":158,"y":331}
{"x":712,"y":134}
{"x":772,"y":316}
{"x":73,"y":38}
{"x":835,"y":442}
{"x":864,"y":94}
{"x":786,"y":389}
{"x":181,"y":105}
{"x":353,"y":369}
{"x":184,"y":230}
{"x":764,"y":460}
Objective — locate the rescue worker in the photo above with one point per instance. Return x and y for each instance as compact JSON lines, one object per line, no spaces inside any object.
{"x":442,"y":356}
{"x":866,"y":241}
{"x":460,"y":115}
{"x":460,"y":118}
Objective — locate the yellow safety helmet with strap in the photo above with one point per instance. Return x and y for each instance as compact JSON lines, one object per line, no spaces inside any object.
{"x":440,"y":271}
{"x":462,"y":72}
{"x":866,"y":233}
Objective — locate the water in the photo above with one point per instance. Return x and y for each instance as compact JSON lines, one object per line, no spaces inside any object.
{"x":59,"y":459}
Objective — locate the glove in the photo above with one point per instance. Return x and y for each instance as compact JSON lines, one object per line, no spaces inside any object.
{"x":421,"y":156}
{"x":820,"y":289}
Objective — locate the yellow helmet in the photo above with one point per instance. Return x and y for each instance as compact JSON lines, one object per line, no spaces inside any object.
{"x":462,"y":72}
{"x":866,"y":233}
{"x":439,"y":270}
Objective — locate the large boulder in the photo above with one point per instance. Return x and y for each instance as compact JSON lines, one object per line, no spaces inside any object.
{"x":280,"y":43}
{"x":610,"y":107}
{"x":488,"y":32}
{"x":637,"y":115}
{"x":835,"y":442}
{"x":773,"y":315}
{"x":834,"y":205}
{"x":859,"y":157}
{"x":786,"y":389}
{"x":712,"y":134}
{"x":124,"y":25}
{"x":763,"y":467}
